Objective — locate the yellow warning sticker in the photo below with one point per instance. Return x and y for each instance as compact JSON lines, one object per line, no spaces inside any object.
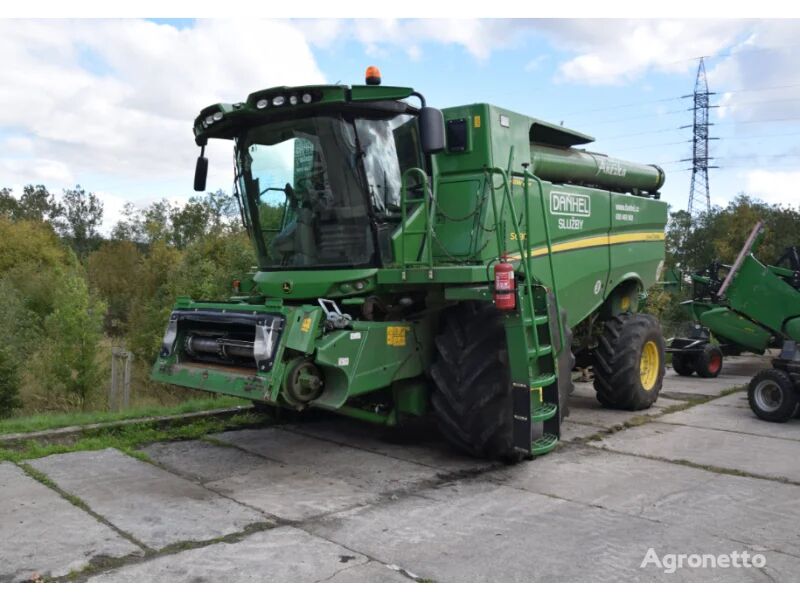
{"x":306,"y":325}
{"x":396,"y":336}
{"x":476,"y":121}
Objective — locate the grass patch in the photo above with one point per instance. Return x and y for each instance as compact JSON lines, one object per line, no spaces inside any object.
{"x":56,"y":420}
{"x":128,"y":438}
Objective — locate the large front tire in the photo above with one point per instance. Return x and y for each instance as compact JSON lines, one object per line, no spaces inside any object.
{"x":629,"y":362}
{"x":472,"y":396}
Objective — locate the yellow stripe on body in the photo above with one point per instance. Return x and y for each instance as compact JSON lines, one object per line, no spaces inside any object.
{"x":598,"y":240}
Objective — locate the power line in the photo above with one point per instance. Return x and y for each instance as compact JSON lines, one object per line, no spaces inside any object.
{"x":673,"y":98}
{"x":683,"y":110}
{"x":725,"y":123}
{"x":761,"y":89}
{"x":616,"y":137}
{"x":591,"y":110}
{"x":723,"y":138}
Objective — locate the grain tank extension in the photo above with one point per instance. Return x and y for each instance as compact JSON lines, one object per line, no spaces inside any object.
{"x":415,"y":261}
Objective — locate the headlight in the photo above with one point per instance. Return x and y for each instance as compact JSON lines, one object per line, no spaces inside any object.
{"x":209,"y":120}
{"x":168,"y":343}
{"x":292,"y":100}
{"x":306,"y":98}
{"x":262,"y":103}
{"x":264,"y":344}
{"x":217,"y":116}
{"x":278,"y":101}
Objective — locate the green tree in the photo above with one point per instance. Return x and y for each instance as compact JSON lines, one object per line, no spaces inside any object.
{"x":34,"y":204}
{"x":113,"y":271}
{"x":720,"y":233}
{"x":678,"y":235}
{"x":131,"y":227}
{"x":8,"y":204}
{"x":73,"y":331}
{"x":82,"y":215}
{"x":153,"y":301}
{"x":9,"y":383}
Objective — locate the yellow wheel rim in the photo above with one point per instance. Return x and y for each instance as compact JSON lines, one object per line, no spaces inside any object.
{"x":649,"y":365}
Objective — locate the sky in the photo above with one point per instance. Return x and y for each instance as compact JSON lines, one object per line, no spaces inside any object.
{"x":109,"y":104}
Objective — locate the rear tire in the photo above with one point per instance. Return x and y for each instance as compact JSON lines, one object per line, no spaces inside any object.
{"x":629,"y":362}
{"x":682,"y":364}
{"x":772,"y":396}
{"x":472,"y":400}
{"x":709,"y":362}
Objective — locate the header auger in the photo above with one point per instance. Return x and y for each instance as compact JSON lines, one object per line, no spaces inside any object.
{"x":412,"y":260}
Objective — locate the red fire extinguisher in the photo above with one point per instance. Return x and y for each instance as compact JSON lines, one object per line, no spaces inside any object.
{"x":505,"y":297}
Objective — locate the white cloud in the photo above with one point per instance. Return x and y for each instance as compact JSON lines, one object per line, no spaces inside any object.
{"x":18,"y":145}
{"x":117,"y":98}
{"x":17,"y":172}
{"x":607,"y":52}
{"x":536,"y":62}
{"x":760,"y":74}
{"x":479,"y":37}
{"x":774,"y":187}
{"x":616,"y":52}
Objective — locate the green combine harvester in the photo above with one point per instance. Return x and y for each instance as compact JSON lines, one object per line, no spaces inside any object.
{"x":748,"y":307}
{"x":426,"y":261}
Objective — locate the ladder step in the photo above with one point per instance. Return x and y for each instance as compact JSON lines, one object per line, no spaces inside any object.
{"x":543,"y":381}
{"x":544,"y":444}
{"x":541,"y":351}
{"x":544,"y":412}
{"x":540,"y":320}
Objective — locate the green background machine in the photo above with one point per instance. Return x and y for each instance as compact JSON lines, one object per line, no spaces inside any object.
{"x":415,"y":261}
{"x":750,"y":306}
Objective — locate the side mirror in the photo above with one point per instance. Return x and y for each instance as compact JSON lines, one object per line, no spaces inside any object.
{"x":200,"y":172}
{"x":431,"y":130}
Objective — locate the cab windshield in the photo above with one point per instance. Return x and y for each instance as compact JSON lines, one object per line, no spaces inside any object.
{"x":317,"y":190}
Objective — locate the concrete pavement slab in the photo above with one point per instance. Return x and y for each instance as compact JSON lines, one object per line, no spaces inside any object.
{"x":575,"y":431}
{"x":732,"y":418}
{"x":756,"y":455}
{"x":584,"y":409}
{"x":42,"y":533}
{"x":736,"y":399}
{"x":287,"y":492}
{"x":283,"y":554}
{"x":750,"y":510}
{"x":679,"y":387}
{"x":371,"y":572}
{"x":364,"y":469}
{"x":204,"y":461}
{"x":479,"y":531}
{"x":156,"y":507}
{"x":417,"y":443}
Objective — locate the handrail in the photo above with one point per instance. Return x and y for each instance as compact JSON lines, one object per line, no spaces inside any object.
{"x":523,"y":244}
{"x":548,"y":241}
{"x":428,"y":206}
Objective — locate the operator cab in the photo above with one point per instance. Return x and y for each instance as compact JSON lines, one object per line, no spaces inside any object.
{"x":319,"y":170}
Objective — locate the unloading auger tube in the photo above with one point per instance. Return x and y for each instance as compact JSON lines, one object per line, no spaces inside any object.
{"x":568,"y":165}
